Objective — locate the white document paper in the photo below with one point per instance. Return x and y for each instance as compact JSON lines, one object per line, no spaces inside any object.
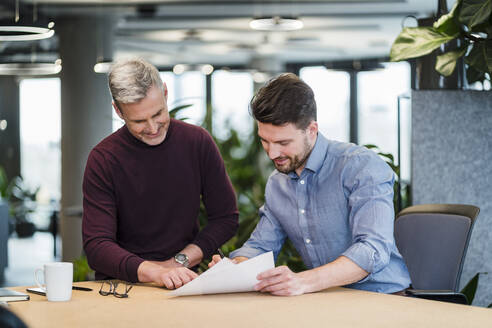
{"x":228,"y":277}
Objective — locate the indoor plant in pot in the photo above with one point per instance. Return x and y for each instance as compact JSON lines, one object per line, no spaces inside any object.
{"x":22,"y":202}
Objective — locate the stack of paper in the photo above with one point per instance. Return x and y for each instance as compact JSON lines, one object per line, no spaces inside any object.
{"x":228,"y":277}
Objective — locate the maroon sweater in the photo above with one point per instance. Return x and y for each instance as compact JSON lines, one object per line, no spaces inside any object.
{"x":142,"y":202}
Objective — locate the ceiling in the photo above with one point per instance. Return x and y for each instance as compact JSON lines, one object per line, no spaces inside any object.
{"x":217,"y":32}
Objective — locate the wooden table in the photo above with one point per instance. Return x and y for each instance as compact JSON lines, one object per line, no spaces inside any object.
{"x":150,"y":306}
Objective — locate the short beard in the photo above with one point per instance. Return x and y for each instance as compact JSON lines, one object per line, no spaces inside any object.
{"x":298,"y":159}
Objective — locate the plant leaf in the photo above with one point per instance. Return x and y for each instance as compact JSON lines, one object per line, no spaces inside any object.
{"x":472,"y":75}
{"x":174,"y":111}
{"x":474,"y":12}
{"x":446,"y":63}
{"x":447,"y":23}
{"x":480,"y":57}
{"x":484,"y":28}
{"x":490,"y":305}
{"x":488,"y":54}
{"x":417,"y":41}
{"x":471,"y":288}
{"x":370,"y":146}
{"x":3,"y":183}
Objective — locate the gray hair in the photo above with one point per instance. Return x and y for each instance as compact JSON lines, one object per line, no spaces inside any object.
{"x":131,"y":79}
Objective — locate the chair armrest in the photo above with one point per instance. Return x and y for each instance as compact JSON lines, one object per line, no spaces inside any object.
{"x":438,"y":295}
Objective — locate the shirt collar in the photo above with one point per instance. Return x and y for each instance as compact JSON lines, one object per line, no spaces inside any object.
{"x":317,"y":156}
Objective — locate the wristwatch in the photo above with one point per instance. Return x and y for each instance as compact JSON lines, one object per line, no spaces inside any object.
{"x":182,"y":259}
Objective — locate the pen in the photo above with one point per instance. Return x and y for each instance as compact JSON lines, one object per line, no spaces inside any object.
{"x":220,"y":253}
{"x":85,"y":289}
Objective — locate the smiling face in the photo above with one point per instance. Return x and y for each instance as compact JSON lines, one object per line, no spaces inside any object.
{"x":287,"y":146}
{"x":148,"y":119}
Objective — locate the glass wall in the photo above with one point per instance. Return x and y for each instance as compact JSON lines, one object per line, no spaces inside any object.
{"x":378,"y":93}
{"x":40,"y":134}
{"x":231,"y":94}
{"x":332,"y":94}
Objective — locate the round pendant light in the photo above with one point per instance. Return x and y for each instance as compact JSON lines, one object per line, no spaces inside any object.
{"x":24,"y":33}
{"x":276,"y":23}
{"x":30,"y":69}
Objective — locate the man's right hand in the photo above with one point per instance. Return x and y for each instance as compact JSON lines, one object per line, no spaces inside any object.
{"x":216,"y":259}
{"x":170,"y":277}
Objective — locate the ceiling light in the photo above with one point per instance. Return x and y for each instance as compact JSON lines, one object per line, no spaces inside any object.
{"x":30,"y":68}
{"x":3,"y":125}
{"x":276,"y":23}
{"x":206,"y":69}
{"x":103,"y":66}
{"x":24,"y":33}
{"x":260,"y":77}
{"x":179,"y":69}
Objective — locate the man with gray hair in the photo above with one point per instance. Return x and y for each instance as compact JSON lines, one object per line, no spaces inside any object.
{"x":143,"y":185}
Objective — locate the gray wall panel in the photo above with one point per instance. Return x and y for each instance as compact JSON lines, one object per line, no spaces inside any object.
{"x":452,"y":163}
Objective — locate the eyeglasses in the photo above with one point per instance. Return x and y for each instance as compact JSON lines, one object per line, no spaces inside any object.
{"x":118,"y":289}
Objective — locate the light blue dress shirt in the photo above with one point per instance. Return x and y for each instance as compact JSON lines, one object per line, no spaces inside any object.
{"x":342,"y":204}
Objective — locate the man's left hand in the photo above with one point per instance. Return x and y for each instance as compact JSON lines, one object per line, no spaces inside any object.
{"x":282,"y":281}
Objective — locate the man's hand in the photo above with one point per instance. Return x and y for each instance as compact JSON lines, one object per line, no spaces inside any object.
{"x":282,"y":281}
{"x":170,"y":277}
{"x":216,"y":259}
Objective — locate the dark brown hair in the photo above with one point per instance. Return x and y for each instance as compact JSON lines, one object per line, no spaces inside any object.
{"x":285,"y":99}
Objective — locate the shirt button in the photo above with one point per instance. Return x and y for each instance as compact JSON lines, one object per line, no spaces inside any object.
{"x":308,"y":241}
{"x":302,"y":181}
{"x":302,"y":211}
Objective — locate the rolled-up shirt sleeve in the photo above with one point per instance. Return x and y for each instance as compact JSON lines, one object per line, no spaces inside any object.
{"x":267,"y":236}
{"x":368,"y":182}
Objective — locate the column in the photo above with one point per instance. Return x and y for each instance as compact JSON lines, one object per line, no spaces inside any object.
{"x":86,"y":115}
{"x":9,"y":135}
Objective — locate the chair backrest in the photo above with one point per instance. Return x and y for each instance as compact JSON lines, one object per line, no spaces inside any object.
{"x":433,"y":240}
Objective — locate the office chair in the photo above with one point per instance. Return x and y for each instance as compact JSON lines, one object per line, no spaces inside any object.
{"x":433,"y":240}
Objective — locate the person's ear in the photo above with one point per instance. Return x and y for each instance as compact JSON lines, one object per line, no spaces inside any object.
{"x":312,"y":128}
{"x":165,"y":90}
{"x":117,"y":110}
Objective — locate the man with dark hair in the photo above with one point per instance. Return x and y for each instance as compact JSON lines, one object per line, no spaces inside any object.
{"x":143,"y":186}
{"x":333,"y":200}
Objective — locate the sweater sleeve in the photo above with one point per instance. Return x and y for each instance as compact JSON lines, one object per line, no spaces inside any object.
{"x":99,"y":224}
{"x":218,"y":197}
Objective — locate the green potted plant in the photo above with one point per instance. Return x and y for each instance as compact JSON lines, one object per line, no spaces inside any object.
{"x":5,"y":190}
{"x":469,"y":21}
{"x":22,"y":202}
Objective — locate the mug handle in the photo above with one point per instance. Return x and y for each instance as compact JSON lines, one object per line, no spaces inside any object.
{"x":37,"y":281}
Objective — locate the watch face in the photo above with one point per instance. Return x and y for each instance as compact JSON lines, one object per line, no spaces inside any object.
{"x":181,"y":258}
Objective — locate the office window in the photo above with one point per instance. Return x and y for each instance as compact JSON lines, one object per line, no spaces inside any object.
{"x":40,"y":130}
{"x":187,"y":88}
{"x":332,"y":94}
{"x":40,"y":134}
{"x":231,"y":94}
{"x":377,"y":99}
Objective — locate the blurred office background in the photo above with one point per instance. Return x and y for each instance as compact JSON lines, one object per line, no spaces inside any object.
{"x":55,"y":105}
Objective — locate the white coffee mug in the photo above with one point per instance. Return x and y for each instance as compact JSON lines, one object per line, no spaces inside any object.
{"x":58,"y":277}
